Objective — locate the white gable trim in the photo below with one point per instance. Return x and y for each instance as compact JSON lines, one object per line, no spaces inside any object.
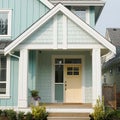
{"x":71,"y":16}
{"x":47,"y":3}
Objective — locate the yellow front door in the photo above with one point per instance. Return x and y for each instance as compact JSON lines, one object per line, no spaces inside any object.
{"x":73,"y":83}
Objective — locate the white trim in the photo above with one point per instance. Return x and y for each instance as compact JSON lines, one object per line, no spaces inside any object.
{"x":96,"y":76}
{"x":88,"y":16}
{"x":23,"y":77}
{"x":71,"y":16}
{"x":47,"y":3}
{"x":53,"y":74}
{"x":64,"y":32}
{"x":7,"y":95}
{"x":50,"y":46}
{"x":55,"y":32}
{"x":9,"y":12}
{"x":80,"y":2}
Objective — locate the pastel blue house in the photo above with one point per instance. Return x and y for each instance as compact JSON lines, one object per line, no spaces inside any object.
{"x":50,"y":47}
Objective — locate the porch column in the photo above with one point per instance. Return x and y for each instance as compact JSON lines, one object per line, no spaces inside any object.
{"x":96,"y":75}
{"x":22,"y":83}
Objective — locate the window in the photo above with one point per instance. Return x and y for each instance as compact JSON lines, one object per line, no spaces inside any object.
{"x":81,"y":12}
{"x":5,"y":23}
{"x":3,"y":76}
{"x":73,"y":71}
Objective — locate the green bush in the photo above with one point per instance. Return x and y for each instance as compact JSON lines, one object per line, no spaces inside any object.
{"x":20,"y":115}
{"x":39,"y":112}
{"x":99,"y":112}
{"x":102,"y":113}
{"x":28,"y":116}
{"x":11,"y":114}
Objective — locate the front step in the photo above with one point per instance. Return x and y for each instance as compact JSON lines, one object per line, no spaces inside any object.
{"x":68,"y":116}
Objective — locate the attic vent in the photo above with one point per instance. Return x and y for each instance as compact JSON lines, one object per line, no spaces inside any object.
{"x":114,"y":29}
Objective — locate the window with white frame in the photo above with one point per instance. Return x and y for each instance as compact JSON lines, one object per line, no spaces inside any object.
{"x":81,"y":12}
{"x":5,"y":22}
{"x":4,"y":80}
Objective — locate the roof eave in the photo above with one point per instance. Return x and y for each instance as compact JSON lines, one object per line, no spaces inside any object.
{"x":80,"y":3}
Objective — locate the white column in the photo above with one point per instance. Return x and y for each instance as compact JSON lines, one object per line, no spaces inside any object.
{"x":96,"y":75}
{"x":23,"y":76}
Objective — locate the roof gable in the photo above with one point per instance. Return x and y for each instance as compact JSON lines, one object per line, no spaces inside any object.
{"x":47,"y":3}
{"x":71,"y":16}
{"x":44,"y":35}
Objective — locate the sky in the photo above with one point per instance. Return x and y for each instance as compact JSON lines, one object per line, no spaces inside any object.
{"x":110,"y":16}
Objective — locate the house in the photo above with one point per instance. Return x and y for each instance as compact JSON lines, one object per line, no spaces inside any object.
{"x":50,"y":46}
{"x":111,"y":64}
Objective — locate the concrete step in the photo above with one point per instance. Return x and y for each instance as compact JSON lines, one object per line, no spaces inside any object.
{"x":68,"y":116}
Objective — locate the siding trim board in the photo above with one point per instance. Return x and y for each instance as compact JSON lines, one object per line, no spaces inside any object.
{"x":71,"y":16}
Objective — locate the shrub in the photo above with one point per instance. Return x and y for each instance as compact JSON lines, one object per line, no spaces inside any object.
{"x":28,"y":116}
{"x":20,"y":115}
{"x":11,"y":114}
{"x":99,"y":110}
{"x":39,"y":112}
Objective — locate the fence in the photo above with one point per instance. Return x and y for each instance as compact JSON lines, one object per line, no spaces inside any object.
{"x":110,"y":97}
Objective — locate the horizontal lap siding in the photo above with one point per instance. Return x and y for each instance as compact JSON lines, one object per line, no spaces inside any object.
{"x":12,"y":101}
{"x":44,"y":78}
{"x":24,"y":13}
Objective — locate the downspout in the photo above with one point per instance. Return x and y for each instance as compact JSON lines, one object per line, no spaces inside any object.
{"x":14,"y":55}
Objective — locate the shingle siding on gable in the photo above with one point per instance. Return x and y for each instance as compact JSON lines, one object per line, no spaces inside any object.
{"x":24,"y":13}
{"x":75,"y":34}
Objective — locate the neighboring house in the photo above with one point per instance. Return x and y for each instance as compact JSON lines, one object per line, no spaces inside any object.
{"x":111,"y":65}
{"x":51,"y":50}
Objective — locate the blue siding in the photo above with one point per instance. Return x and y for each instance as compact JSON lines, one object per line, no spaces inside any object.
{"x":24,"y":13}
{"x":12,"y":101}
{"x":92,"y":16}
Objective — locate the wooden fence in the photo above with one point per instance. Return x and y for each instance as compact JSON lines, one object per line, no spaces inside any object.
{"x":109,"y":93}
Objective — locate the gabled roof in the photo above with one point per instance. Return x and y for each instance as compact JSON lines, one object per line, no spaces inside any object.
{"x":71,"y":16}
{"x":47,"y":3}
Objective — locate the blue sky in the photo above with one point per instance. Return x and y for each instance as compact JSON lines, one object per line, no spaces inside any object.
{"x":110,"y":16}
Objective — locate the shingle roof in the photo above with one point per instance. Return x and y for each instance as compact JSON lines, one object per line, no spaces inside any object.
{"x":4,"y":43}
{"x":114,"y":35}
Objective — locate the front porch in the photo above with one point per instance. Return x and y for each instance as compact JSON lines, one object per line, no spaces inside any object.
{"x":47,"y":73}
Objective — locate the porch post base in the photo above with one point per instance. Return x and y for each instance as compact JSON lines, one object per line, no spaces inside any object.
{"x":22,"y":104}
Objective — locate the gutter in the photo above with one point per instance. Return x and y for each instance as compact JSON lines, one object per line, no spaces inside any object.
{"x":14,"y":55}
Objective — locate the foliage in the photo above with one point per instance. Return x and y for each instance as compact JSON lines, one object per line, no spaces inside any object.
{"x":102,"y":113}
{"x":39,"y":112}
{"x":34,"y":93}
{"x":99,"y":111}
{"x":11,"y":114}
{"x":20,"y":115}
{"x":28,"y":116}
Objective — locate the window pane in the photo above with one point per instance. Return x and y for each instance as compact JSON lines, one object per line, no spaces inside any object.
{"x":2,"y":88}
{"x":59,"y":93}
{"x":3,"y":62}
{"x":80,"y":12}
{"x":3,"y":23}
{"x":58,"y":61}
{"x":72,"y":61}
{"x":59,"y":74}
{"x":3,"y":75}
